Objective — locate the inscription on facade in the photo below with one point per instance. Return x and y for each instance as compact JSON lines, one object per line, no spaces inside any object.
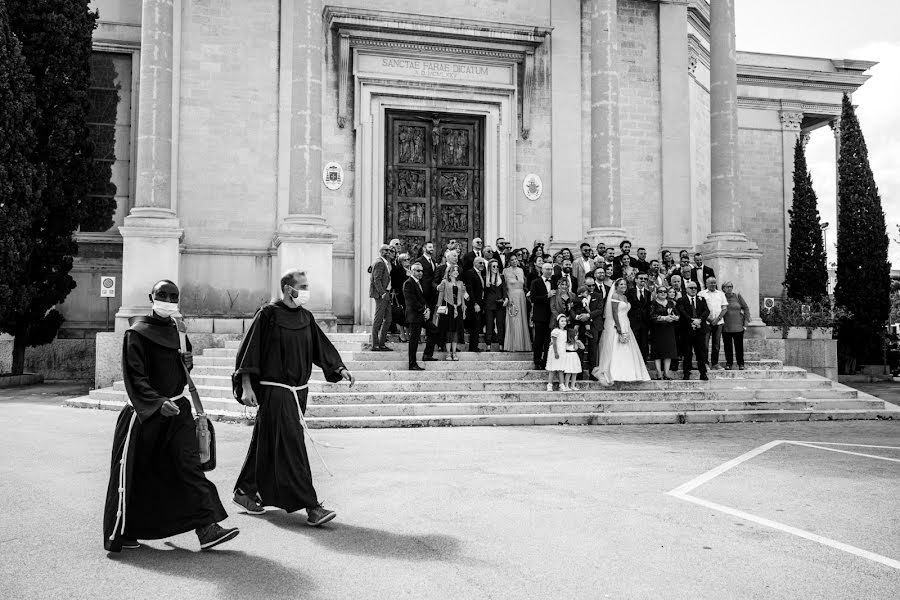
{"x":412,"y":67}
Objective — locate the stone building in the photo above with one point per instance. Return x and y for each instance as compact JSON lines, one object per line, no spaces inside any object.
{"x":638,"y":117}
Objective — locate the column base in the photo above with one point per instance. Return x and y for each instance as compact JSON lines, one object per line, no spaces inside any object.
{"x":608,"y":235}
{"x":306,"y":242}
{"x":735,"y":258}
{"x":150,"y":252}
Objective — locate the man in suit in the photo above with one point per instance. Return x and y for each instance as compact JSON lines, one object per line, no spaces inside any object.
{"x":380,"y":291}
{"x":477,"y":251}
{"x":639,"y":313}
{"x":541,"y":293}
{"x":640,"y":263}
{"x":473,"y":279}
{"x":565,"y":273}
{"x":625,"y":248}
{"x":418,"y":315}
{"x":701,"y":273}
{"x":596,"y":302}
{"x":428,"y":268}
{"x":584,"y":265}
{"x":694,"y":315}
{"x":502,"y":253}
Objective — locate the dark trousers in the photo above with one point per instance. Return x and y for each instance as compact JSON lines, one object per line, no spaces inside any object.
{"x":737,"y":340}
{"x":641,"y":336}
{"x":415,"y":331}
{"x":495,"y":325}
{"x":593,"y":346}
{"x":473,"y":325}
{"x":382,"y":321}
{"x":541,"y":342}
{"x":694,"y":341}
{"x":713,"y":335}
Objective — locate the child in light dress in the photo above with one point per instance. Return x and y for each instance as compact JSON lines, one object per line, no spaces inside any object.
{"x":563,"y":362}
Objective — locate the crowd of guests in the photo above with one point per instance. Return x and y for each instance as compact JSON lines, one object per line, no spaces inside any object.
{"x":513,"y":299}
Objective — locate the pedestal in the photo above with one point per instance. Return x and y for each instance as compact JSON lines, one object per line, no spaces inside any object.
{"x":735,"y":258}
{"x":611,"y":236}
{"x":306,"y":243}
{"x":150,"y":239}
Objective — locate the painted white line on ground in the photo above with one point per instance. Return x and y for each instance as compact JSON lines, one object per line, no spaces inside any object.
{"x":698,"y":481}
{"x":896,"y":460}
{"x":839,"y":444}
{"x":884,"y":560}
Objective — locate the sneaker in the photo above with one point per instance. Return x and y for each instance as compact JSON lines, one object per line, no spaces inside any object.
{"x":563,"y":387}
{"x":319,"y":515}
{"x":549,"y":387}
{"x":213,"y":535}
{"x":250,"y":505}
{"x":129,"y":544}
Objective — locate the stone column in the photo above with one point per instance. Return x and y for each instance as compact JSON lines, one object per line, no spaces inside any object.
{"x":304,"y":239}
{"x":606,"y":197}
{"x":151,"y":232}
{"x":727,"y":249}
{"x":675,"y":122}
{"x":791,"y":118}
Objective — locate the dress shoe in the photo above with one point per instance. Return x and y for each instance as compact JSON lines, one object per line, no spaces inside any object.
{"x":429,"y":358}
{"x":704,"y":377}
{"x":415,"y":368}
{"x":387,"y":349}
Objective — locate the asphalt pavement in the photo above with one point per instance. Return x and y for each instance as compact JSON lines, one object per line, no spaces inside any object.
{"x":537,"y":512}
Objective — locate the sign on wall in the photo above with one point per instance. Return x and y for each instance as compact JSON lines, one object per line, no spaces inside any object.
{"x":333,"y":175}
{"x":107,"y":286}
{"x":533,"y":186}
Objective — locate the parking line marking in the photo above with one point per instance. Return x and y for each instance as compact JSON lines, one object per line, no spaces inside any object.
{"x":884,"y":560}
{"x":681,"y":492}
{"x":896,"y":460}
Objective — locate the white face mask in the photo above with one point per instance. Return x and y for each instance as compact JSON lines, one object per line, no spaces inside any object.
{"x":165,"y":309}
{"x":301,"y":298}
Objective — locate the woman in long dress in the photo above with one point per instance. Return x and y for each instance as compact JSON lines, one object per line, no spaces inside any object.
{"x":620,"y":356}
{"x":516,"y":338}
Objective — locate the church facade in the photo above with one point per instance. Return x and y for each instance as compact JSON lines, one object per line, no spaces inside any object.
{"x":255,"y":135}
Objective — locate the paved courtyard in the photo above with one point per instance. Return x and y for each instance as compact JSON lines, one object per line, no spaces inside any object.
{"x":552,"y":512}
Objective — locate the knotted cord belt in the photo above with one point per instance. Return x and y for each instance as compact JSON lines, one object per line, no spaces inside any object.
{"x":294,"y":390}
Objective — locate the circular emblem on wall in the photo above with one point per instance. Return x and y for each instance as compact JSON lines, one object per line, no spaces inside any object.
{"x":532,"y":186}
{"x":333,"y":175}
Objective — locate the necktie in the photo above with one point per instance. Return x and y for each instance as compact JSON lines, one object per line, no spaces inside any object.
{"x":693,"y":307}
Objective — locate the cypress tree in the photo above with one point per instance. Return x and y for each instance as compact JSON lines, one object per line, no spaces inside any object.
{"x":807,"y":272}
{"x":20,"y":180}
{"x":56,"y":41}
{"x":863,"y":271}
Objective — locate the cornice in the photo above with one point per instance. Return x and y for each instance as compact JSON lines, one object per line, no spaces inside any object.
{"x":779,"y":105}
{"x":698,"y":16}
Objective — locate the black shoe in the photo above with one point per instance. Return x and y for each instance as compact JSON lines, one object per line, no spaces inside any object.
{"x":319,"y":515}
{"x":704,"y":377}
{"x":386,"y":349}
{"x":686,"y":377}
{"x":213,"y":535}
{"x":415,"y":368}
{"x":250,"y":505}
{"x":428,"y":358}
{"x":129,"y":544}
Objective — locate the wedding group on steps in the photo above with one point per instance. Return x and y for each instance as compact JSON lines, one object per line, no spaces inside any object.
{"x":620,"y":311}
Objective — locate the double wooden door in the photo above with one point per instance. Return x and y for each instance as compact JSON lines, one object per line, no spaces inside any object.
{"x":434,"y":179}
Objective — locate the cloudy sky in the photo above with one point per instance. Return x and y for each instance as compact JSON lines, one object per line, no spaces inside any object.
{"x":862,"y":29}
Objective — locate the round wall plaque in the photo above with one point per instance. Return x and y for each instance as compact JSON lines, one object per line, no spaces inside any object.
{"x":333,"y":175}
{"x":532,"y":186}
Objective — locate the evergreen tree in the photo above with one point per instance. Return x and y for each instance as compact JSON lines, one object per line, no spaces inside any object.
{"x":55,"y":36}
{"x":863,"y":271}
{"x":20,"y":180}
{"x":807,"y":272}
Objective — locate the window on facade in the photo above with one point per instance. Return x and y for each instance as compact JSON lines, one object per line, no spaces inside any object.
{"x":109,"y":121}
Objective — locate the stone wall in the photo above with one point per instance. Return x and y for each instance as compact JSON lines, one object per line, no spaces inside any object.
{"x":61,"y":359}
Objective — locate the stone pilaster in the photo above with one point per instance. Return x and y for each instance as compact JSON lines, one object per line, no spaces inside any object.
{"x":606,"y":197}
{"x":304,"y":239}
{"x":151,"y":232}
{"x":835,"y":125}
{"x":674,"y":80}
{"x":727,"y":249}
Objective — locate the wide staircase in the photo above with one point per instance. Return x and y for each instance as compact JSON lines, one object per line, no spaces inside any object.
{"x":502,"y":388}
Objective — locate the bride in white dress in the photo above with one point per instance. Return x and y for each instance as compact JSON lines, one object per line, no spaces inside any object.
{"x":620,"y":356}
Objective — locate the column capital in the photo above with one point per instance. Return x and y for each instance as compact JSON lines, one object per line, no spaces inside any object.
{"x":791,"y":119}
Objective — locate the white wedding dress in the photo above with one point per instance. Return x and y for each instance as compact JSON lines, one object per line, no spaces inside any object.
{"x":619,"y":361}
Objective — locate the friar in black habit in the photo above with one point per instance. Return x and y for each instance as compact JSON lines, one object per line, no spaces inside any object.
{"x":157,"y":488}
{"x":272,"y":371}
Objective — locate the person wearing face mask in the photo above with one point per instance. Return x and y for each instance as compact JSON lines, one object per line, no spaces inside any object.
{"x":157,"y":488}
{"x":272,"y":371}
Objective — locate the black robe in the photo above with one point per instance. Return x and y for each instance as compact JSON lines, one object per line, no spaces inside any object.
{"x":165,"y":491}
{"x":281,"y":346}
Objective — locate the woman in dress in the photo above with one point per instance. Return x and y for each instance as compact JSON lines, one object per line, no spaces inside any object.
{"x":629,"y":273}
{"x":736,"y":318}
{"x":451,"y":308}
{"x":668,"y":263}
{"x":663,"y":345}
{"x":620,"y":356}
{"x":516,"y":338}
{"x":563,"y":302}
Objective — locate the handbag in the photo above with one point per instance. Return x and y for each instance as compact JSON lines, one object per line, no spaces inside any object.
{"x":442,"y":309}
{"x":206,"y":435}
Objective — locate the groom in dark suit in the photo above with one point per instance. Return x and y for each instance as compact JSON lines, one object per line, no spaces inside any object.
{"x":694,"y":314}
{"x":540,"y":314}
{"x":639,"y":313}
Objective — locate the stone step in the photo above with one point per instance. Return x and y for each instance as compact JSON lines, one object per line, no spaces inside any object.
{"x":572,"y":418}
{"x":448,"y":385}
{"x":594,"y":393}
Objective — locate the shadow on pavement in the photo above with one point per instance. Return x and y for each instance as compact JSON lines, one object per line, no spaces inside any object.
{"x":367,"y":541}
{"x":235,"y":573}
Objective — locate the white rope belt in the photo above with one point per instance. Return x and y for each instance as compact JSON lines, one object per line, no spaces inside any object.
{"x":294,"y":390}
{"x":123,"y":471}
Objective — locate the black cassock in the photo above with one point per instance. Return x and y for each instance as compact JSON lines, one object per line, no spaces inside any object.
{"x":281,"y":346}
{"x":161,"y":491}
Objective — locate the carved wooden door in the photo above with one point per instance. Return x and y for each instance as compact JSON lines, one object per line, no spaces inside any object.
{"x":434,"y":179}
